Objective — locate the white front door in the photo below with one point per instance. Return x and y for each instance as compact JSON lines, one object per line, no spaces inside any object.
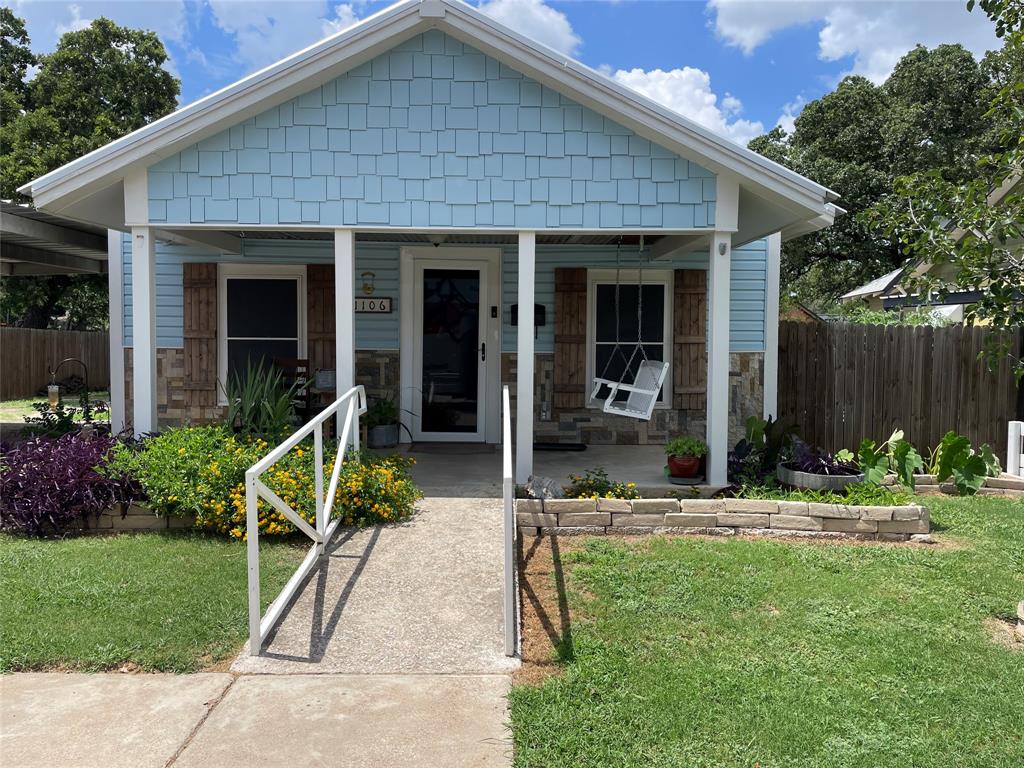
{"x":451,"y":346}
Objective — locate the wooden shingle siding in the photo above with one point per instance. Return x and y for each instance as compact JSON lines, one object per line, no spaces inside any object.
{"x":320,"y":315}
{"x":432,"y":134}
{"x":570,"y":369}
{"x":200,"y":332}
{"x":689,"y":339}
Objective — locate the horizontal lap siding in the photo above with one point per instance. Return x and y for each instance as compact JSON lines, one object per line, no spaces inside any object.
{"x":381,"y":331}
{"x":372,"y":331}
{"x":747,"y":288}
{"x":432,"y":134}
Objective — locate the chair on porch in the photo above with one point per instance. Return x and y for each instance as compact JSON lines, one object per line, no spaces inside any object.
{"x":296,"y":372}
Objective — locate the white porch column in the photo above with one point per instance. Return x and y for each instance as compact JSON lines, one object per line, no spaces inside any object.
{"x":718,"y":357}
{"x":771,"y":327}
{"x":524,"y":357}
{"x":143,"y":330}
{"x":115,"y":298}
{"x":344,"y":313}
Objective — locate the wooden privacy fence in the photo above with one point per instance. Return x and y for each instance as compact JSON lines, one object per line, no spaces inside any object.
{"x":27,"y":354}
{"x":842,"y":382}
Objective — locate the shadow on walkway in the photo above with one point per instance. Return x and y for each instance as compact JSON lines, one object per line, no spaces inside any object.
{"x":321,"y":631}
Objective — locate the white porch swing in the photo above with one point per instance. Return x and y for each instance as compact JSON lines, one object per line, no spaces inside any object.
{"x":643,"y":390}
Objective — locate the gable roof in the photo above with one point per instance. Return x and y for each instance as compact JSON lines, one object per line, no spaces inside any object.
{"x":797,"y":202}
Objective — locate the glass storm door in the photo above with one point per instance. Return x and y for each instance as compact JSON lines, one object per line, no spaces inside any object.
{"x":452,"y":340}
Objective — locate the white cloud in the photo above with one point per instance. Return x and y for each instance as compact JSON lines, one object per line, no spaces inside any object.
{"x":266,"y":32}
{"x":688,"y":92}
{"x":47,"y":21}
{"x":344,"y":17}
{"x":874,"y":33}
{"x":787,"y":120}
{"x":535,"y":20}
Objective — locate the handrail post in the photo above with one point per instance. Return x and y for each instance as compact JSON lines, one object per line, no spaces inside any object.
{"x":353,"y":422}
{"x":318,"y":475}
{"x":252,"y":533}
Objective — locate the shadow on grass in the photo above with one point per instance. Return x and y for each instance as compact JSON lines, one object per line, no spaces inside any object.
{"x":551,"y":614}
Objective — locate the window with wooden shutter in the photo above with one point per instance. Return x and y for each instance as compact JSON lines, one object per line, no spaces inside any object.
{"x":570,"y":365}
{"x":690,"y":354}
{"x":320,"y":315}
{"x":200,"y":333}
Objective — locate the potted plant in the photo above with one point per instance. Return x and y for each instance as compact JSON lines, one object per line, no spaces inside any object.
{"x":818,"y":470}
{"x":382,"y":425}
{"x":684,"y":455}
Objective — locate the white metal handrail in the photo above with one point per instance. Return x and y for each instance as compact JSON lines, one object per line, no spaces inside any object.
{"x":508,"y":488}
{"x":1015,"y":448}
{"x":349,"y":407}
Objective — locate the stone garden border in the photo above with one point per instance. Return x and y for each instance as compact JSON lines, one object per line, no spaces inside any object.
{"x":720,"y":517}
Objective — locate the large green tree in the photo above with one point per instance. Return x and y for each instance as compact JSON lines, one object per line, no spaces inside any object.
{"x":968,"y":233}
{"x":99,"y":83}
{"x":856,"y":140}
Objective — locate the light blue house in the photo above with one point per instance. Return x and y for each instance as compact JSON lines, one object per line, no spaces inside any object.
{"x":432,"y":205}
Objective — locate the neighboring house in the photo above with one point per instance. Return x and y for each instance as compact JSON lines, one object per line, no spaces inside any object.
{"x":888,"y":292}
{"x":383,"y":201}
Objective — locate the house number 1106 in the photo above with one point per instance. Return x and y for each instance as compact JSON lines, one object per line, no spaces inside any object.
{"x":376,"y":304}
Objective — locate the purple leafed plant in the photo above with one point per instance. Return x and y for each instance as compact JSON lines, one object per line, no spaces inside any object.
{"x":47,"y":485}
{"x":817,"y":461}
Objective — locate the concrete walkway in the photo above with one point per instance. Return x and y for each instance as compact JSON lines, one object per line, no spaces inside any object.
{"x":392,"y":655}
{"x":421,"y":597}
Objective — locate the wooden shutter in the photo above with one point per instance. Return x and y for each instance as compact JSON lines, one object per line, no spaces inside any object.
{"x":320,"y":315}
{"x":689,"y":342}
{"x":570,"y":371}
{"x":200,"y":333}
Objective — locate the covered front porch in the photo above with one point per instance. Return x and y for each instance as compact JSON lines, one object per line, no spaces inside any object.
{"x":368,"y":307}
{"x":464,"y":471}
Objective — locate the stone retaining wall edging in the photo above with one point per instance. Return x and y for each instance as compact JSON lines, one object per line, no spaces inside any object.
{"x":722,"y":517}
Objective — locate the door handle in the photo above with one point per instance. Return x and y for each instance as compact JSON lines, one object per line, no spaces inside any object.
{"x":483,"y":351}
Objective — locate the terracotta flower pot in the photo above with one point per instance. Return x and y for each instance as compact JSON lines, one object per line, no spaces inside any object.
{"x":683,"y":466}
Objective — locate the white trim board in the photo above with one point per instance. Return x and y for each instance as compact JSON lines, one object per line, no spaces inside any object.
{"x":410,"y":344}
{"x":225,"y":272}
{"x":595,"y":277}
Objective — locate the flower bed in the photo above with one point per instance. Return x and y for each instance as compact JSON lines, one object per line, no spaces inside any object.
{"x":199,"y":473}
{"x":721,"y":517}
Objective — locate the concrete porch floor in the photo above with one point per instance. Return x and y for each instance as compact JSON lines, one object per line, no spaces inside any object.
{"x":463,"y":469}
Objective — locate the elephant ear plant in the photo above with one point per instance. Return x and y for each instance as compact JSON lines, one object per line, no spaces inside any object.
{"x":895,"y":455}
{"x":955,"y":459}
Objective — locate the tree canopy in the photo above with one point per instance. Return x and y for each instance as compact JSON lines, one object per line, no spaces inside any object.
{"x":968,"y":233}
{"x":929,"y":115}
{"x":100,"y":83}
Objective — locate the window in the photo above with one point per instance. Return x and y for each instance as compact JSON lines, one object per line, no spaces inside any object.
{"x":612,"y":337}
{"x":262,"y":316}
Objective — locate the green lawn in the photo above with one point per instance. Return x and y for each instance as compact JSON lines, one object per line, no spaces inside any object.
{"x":161,"y":601}
{"x":16,"y":410}
{"x":719,"y":652}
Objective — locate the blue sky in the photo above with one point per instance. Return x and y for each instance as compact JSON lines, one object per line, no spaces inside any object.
{"x":736,"y":66}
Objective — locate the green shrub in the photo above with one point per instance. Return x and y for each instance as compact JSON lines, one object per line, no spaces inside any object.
{"x":866,"y":494}
{"x":200,"y":472}
{"x":594,"y":484}
{"x":686,"y":446}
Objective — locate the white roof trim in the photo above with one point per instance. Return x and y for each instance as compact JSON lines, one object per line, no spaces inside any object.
{"x":347,"y":49}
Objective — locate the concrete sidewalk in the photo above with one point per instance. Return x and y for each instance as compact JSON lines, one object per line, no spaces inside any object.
{"x":55,"y":720}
